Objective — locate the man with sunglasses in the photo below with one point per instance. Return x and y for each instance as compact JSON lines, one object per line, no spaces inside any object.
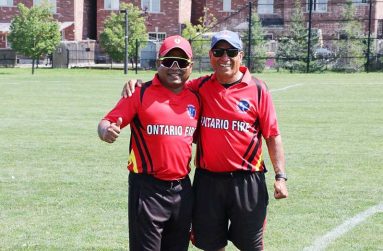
{"x":230,"y":192}
{"x":163,"y":116}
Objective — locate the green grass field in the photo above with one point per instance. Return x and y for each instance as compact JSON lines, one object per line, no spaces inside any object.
{"x":61,"y":188}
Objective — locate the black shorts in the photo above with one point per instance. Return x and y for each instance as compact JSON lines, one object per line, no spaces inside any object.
{"x":229,"y":206}
{"x":160,"y":213}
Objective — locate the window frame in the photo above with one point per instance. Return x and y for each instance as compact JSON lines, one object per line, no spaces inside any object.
{"x":150,"y":7}
{"x":160,"y":36}
{"x":7,"y":3}
{"x":264,"y":5}
{"x":112,"y":4}
{"x":316,"y":6}
{"x":360,"y":2}
{"x":226,"y":5}
{"x":379,"y":29}
{"x":53,"y":4}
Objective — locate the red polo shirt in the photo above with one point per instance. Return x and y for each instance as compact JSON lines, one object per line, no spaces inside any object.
{"x":233,"y":121}
{"x":162,"y":125}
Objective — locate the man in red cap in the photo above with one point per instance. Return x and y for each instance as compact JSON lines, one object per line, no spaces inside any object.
{"x":230,"y":192}
{"x":163,"y":116}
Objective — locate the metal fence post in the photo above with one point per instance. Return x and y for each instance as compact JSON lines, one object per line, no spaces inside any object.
{"x":369,"y":39}
{"x":67,"y":58}
{"x":126,"y":41}
{"x":309,"y":38}
{"x":249,"y":43}
{"x":136,"y":57}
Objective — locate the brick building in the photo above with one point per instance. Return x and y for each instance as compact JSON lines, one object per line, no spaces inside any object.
{"x":163,"y":17}
{"x":83,"y":19}
{"x":275,"y":15}
{"x":74,"y":17}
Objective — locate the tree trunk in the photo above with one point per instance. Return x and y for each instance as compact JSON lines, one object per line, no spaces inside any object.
{"x":33,"y":66}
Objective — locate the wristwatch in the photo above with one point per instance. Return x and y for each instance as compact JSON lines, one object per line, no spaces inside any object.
{"x":281,"y":176}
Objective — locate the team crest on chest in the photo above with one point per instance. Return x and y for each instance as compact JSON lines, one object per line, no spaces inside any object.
{"x":191,"y":111}
{"x":243,"y":105}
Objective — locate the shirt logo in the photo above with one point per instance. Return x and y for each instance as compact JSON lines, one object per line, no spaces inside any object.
{"x":243,"y":105}
{"x":191,"y":111}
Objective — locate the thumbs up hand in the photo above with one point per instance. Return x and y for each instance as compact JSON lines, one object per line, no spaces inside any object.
{"x":112,"y":132}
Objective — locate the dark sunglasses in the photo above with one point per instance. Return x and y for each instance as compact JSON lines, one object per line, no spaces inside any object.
{"x":230,"y":52}
{"x":168,"y":62}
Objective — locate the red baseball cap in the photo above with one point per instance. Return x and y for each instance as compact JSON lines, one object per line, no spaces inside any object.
{"x":175,"y":42}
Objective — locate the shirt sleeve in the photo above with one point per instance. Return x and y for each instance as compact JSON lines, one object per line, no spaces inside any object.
{"x":194,"y":83}
{"x":126,"y":108}
{"x":267,"y":114}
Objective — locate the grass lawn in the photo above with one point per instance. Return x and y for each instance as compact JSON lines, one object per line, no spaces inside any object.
{"x":61,"y":188}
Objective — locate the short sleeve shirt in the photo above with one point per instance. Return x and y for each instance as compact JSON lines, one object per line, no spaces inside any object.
{"x":232,"y":123}
{"x":162,"y":126}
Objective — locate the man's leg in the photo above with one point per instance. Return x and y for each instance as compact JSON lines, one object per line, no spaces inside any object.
{"x":210,"y":219}
{"x":176,"y":234}
{"x":147,"y":214}
{"x":247,"y":221}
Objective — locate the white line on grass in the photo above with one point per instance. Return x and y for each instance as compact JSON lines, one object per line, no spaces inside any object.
{"x":285,"y":88}
{"x":322,"y":242}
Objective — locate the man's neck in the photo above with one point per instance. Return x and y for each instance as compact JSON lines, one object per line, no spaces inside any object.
{"x":235,"y":79}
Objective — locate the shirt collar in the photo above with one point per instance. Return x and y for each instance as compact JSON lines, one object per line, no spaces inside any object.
{"x":246,"y":79}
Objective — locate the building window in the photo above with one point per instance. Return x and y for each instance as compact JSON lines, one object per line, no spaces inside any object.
{"x":111,"y":4}
{"x":7,"y":43}
{"x":265,"y":7}
{"x":317,"y":5}
{"x":52,"y":4}
{"x":268,"y":37}
{"x":358,"y":2}
{"x":379,"y":33}
{"x":6,"y":2}
{"x":226,"y":5}
{"x":151,"y":5}
{"x":157,"y":36}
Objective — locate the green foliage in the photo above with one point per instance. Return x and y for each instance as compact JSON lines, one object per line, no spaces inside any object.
{"x":34,"y":32}
{"x":112,"y":39}
{"x":350,"y":48}
{"x":292,"y":49}
{"x":258,"y":44}
{"x":195,"y":34}
{"x":200,"y":45}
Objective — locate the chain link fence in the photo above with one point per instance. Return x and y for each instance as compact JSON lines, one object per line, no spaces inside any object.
{"x":312,"y":36}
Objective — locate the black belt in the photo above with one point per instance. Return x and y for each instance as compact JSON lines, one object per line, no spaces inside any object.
{"x":163,"y":183}
{"x":226,"y":174}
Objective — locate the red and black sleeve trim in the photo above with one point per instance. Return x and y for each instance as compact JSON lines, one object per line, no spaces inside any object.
{"x":144,"y":88}
{"x":141,"y":146}
{"x":259,"y":89}
{"x":203,"y":81}
{"x":255,"y":150}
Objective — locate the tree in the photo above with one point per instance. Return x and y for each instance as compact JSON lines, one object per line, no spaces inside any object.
{"x":112,"y":39}
{"x":350,"y":48}
{"x":195,"y":33}
{"x":258,"y":51}
{"x":34,"y":32}
{"x":292,"y":49}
